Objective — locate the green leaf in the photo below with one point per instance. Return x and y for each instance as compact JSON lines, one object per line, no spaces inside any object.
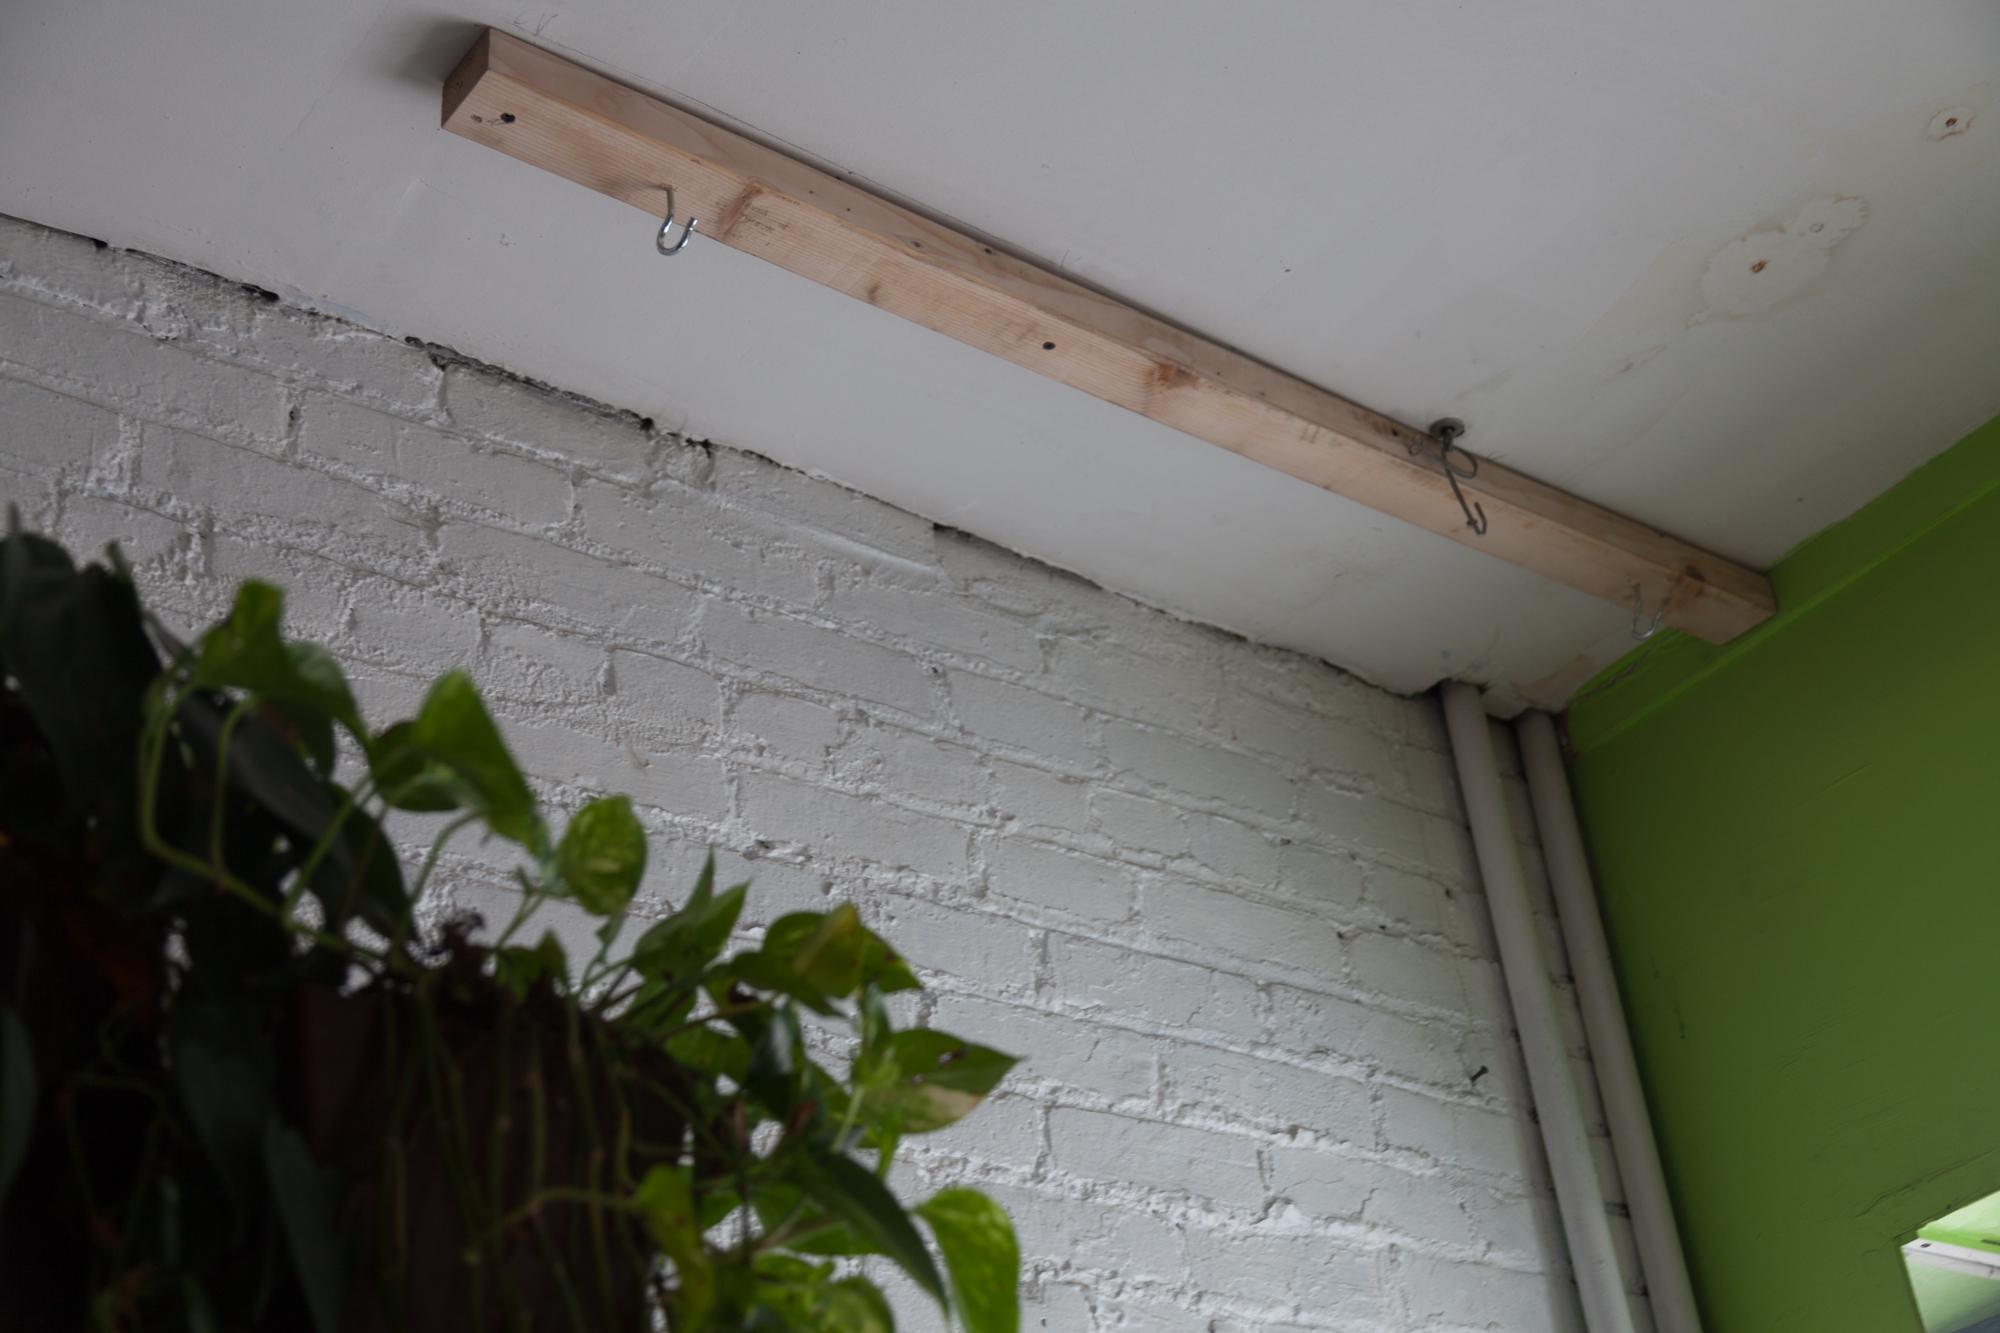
{"x":711,"y":1052}
{"x":715,"y":1205}
{"x":603,"y":855}
{"x":814,"y":957}
{"x":306,"y":1199}
{"x":667,"y":1205}
{"x":930,"y":1079}
{"x":19,"y":1096}
{"x":657,"y":1007}
{"x":884,"y":968}
{"x":678,"y":948}
{"x":790,"y":933}
{"x":856,"y":1305}
{"x":248,"y":652}
{"x":831,"y":959}
{"x":407,"y":775}
{"x":762,"y":971}
{"x":450,"y":756}
{"x":815,"y":1230}
{"x":798,"y":1297}
{"x":981,"y":1255}
{"x":833,"y":954}
{"x":843,"y":1186}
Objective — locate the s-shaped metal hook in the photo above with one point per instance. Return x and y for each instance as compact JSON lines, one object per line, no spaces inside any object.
{"x":1446,"y":431}
{"x":1638,"y":610}
{"x":687,"y":232}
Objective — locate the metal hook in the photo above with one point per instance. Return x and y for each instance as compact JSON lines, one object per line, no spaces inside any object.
{"x":660,"y":241}
{"x":1447,"y":432}
{"x":1639,"y":609}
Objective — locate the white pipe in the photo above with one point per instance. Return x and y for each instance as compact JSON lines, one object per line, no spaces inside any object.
{"x":1558,"y":1102}
{"x":1632,"y":1141}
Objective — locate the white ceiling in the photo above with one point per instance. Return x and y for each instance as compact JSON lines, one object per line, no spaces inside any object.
{"x":1535,"y":216}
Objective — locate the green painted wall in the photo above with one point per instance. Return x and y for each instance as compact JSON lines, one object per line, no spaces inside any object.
{"x":1797,"y":838}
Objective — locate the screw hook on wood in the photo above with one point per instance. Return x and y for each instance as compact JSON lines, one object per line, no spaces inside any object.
{"x":660,"y":241}
{"x":1638,"y":610}
{"x":1446,"y":431}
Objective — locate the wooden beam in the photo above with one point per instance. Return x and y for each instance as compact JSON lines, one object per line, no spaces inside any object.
{"x":555,"y":115}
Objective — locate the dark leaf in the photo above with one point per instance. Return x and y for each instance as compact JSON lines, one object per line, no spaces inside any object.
{"x":195,"y":1304}
{"x":774,"y":1062}
{"x":813,"y":1230}
{"x":519,"y":967}
{"x":844,"y":1187}
{"x":262,"y":765}
{"x":360,"y":872}
{"x":362,"y":876}
{"x":308,"y":728}
{"x":75,"y":644}
{"x":234,"y":948}
{"x":19,"y":1096}
{"x":307,"y":1202}
{"x":222,"y":1069}
{"x":602,"y":855}
{"x":657,"y":1007}
{"x":982,"y":1257}
{"x":768,"y":1317}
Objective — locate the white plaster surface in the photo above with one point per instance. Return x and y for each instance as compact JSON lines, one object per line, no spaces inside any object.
{"x":1219,"y":894}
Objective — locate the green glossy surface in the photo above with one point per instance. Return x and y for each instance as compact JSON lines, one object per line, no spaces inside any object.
{"x":1797,"y":838}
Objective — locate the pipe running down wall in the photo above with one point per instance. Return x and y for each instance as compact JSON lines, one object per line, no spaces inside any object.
{"x":1560,"y":1102}
{"x":1632,"y":1143}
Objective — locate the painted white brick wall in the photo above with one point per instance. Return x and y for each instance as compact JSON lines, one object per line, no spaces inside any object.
{"x":1220,"y":895}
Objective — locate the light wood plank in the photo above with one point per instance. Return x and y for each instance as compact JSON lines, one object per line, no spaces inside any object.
{"x":554,"y":114}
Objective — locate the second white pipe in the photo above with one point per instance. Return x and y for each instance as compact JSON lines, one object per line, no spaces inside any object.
{"x":1632,"y":1142}
{"x":1559,"y":1103}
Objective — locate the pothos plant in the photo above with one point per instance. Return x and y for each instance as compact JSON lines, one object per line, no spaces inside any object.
{"x":241,"y":1089}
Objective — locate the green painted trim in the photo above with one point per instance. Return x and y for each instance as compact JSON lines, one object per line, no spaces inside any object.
{"x":1818,"y":569}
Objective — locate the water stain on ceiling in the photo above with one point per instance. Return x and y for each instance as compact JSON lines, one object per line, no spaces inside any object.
{"x":1877,"y":180}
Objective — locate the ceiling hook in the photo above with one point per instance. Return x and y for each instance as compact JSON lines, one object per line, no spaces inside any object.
{"x":660,"y":241}
{"x":1638,"y":610}
{"x":1446,"y":431}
